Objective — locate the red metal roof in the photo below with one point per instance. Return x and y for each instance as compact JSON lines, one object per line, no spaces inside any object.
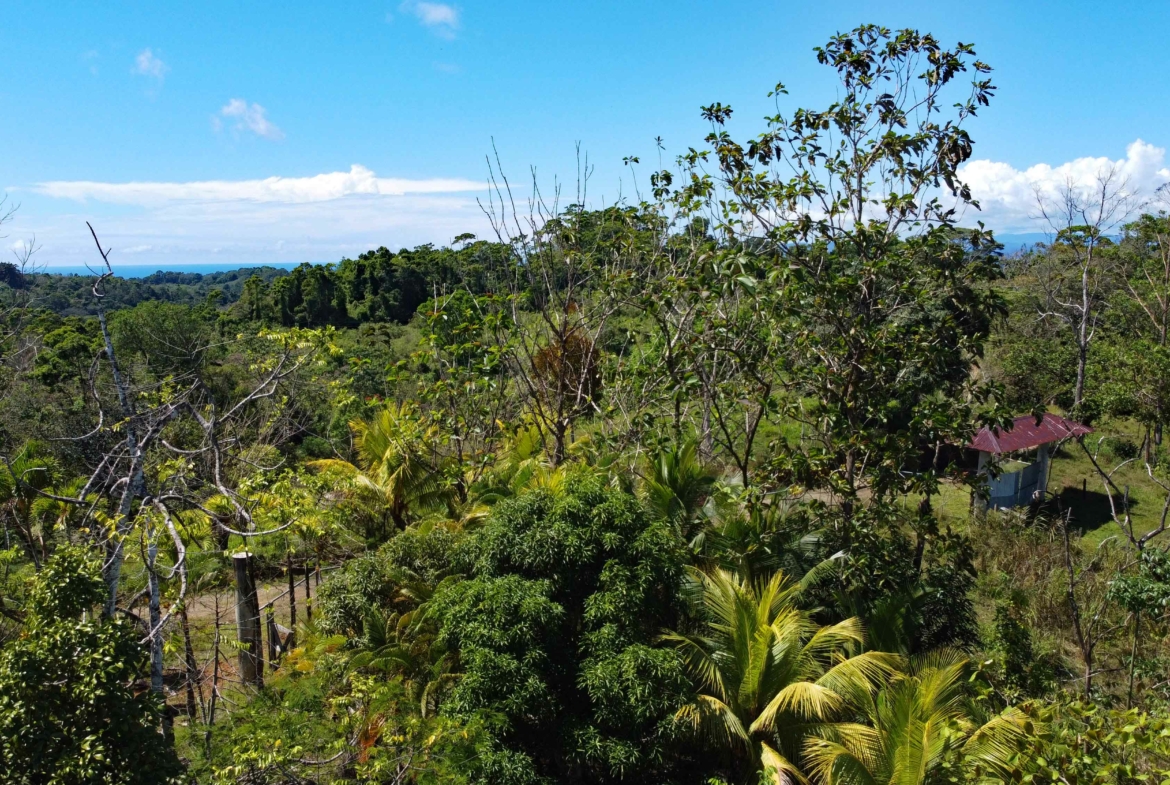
{"x":1026,"y":434}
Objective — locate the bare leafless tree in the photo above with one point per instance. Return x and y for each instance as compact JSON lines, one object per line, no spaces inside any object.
{"x":15,"y":294}
{"x":557,"y":300}
{"x":1078,"y":270}
{"x":145,"y":422}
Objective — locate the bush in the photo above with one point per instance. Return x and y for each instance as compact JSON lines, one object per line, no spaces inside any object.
{"x":69,"y":710}
{"x":555,"y":631}
{"x":348,"y":595}
{"x":1119,"y":447}
{"x":371,"y":582}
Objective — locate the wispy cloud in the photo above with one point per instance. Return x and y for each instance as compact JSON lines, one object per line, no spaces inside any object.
{"x":275,"y":219}
{"x":90,"y":57}
{"x":290,"y":190}
{"x":441,"y":18}
{"x":1007,"y":195}
{"x":248,"y":117}
{"x":254,"y":232}
{"x":148,"y":64}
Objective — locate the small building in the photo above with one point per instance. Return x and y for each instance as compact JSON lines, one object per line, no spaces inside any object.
{"x":1020,"y":457}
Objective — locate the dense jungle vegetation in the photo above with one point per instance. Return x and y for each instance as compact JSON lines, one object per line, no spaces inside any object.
{"x":665,"y":492}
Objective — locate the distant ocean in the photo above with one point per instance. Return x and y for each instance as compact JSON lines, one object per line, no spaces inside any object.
{"x":1011,"y":242}
{"x":143,"y":270}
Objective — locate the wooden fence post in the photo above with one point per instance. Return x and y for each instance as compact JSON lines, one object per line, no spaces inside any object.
{"x":308,"y":593}
{"x":273,"y":639}
{"x":248,"y":621}
{"x":292,"y":592}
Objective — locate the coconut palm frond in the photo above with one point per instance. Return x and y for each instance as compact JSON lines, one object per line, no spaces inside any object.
{"x":714,"y":721}
{"x":996,"y":745}
{"x":802,"y":699}
{"x":762,"y":657}
{"x":832,"y":763}
{"x":778,"y":769}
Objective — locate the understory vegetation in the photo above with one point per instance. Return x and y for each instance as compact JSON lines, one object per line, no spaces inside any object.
{"x":670,"y":491}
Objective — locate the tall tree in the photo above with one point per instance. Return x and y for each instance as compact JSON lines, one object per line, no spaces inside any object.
{"x":839,"y":225}
{"x":555,"y":632}
{"x":1078,"y":270}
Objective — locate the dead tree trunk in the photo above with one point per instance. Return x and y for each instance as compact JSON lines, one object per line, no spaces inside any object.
{"x":248,"y":621}
{"x":156,"y":644}
{"x":192,"y":668}
{"x":308,"y":593}
{"x":292,"y":602}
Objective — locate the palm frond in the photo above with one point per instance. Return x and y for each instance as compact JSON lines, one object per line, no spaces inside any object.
{"x":804,"y":699}
{"x":995,"y":745}
{"x":714,"y":721}
{"x":860,"y":675}
{"x":779,"y":769}
{"x":832,"y":763}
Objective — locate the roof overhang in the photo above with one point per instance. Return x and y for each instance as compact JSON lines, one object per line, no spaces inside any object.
{"x":1026,"y":434}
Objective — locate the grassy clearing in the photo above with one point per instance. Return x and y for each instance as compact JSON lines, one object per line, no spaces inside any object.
{"x":1075,"y":486}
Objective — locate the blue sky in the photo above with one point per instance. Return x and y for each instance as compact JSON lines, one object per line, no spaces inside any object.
{"x":99,"y":95}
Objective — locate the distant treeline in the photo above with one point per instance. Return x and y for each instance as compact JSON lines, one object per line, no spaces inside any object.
{"x":377,"y":286}
{"x":72,"y":295}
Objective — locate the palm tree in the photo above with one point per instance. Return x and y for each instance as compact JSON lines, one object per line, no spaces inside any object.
{"x":403,"y":643}
{"x":759,"y":537}
{"x":30,"y":470}
{"x":766,"y":672}
{"x":522,"y":465}
{"x":677,"y":485}
{"x":919,"y":722}
{"x":397,"y":467}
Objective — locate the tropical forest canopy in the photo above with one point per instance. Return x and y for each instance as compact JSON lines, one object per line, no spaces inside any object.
{"x":669,"y":491}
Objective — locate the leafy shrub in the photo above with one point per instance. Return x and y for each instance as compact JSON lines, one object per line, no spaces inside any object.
{"x":316,"y":447}
{"x":430,"y":554}
{"x":554,"y":630}
{"x":1120,"y":447}
{"x":347,"y":596}
{"x":69,"y":710}
{"x":372,"y":582}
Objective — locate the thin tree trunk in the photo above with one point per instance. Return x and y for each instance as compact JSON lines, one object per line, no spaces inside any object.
{"x":156,"y":647}
{"x":292,"y":601}
{"x":850,"y":481}
{"x":210,"y":718}
{"x":191,"y":666}
{"x":1082,"y":339}
{"x":136,"y":484}
{"x":1137,"y":620}
{"x":1084,"y":640}
{"x":273,"y":638}
{"x":308,"y":595}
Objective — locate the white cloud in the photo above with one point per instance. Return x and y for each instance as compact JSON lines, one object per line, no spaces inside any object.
{"x":276,"y":219}
{"x":238,"y":232}
{"x":148,"y":64}
{"x":251,"y":117}
{"x":440,"y":17}
{"x":1007,"y":195}
{"x":290,"y":190}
